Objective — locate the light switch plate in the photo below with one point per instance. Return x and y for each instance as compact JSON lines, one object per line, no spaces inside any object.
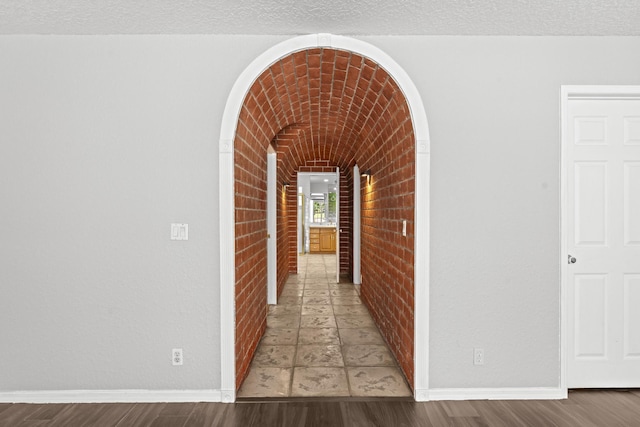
{"x":179,"y":231}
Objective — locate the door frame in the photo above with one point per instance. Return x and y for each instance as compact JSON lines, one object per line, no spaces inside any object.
{"x":567,"y":94}
{"x":272,"y":227}
{"x":227,"y":208}
{"x":338,"y":225}
{"x":300,"y":222}
{"x":357,"y":276}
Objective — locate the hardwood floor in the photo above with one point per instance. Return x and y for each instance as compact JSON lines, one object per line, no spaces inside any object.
{"x":583,"y":408}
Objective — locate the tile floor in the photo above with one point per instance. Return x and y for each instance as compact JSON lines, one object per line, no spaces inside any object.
{"x":321,"y":341}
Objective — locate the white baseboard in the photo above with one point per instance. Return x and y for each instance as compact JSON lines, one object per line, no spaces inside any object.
{"x":421,"y":395}
{"x":110,"y":396}
{"x":530,"y":393}
{"x":228,"y":396}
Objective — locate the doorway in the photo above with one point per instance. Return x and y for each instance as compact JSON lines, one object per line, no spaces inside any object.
{"x":600,"y":236}
{"x":318,"y":223}
{"x":234,"y":359}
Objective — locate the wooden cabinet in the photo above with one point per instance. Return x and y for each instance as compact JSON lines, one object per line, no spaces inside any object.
{"x":322,"y":239}
{"x":325,"y":241}
{"x":314,"y":240}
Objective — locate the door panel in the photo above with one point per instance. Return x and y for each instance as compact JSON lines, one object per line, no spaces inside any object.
{"x":632,"y":316}
{"x":632,"y":130}
{"x":590,"y":130}
{"x":590,"y":213}
{"x":590,"y":316}
{"x":632,"y":203}
{"x":603,"y":234}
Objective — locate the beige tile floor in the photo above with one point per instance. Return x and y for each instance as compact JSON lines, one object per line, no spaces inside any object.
{"x":321,"y":341}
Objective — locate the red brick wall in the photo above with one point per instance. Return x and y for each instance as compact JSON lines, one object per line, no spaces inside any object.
{"x":387,"y":256}
{"x":250,"y":248}
{"x":346,"y":223}
{"x":323,"y":108}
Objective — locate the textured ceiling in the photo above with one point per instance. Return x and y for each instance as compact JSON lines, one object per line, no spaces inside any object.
{"x":349,"y":17}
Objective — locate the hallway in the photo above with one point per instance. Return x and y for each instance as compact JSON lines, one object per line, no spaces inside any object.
{"x":321,"y":341}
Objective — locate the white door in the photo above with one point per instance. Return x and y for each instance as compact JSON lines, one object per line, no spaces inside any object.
{"x":602,"y":155}
{"x":272,"y":189}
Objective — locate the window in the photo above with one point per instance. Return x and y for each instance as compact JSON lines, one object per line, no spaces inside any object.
{"x":318,"y":211}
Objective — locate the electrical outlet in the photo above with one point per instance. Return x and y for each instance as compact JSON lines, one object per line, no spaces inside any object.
{"x":478,"y":356}
{"x":176,"y":357}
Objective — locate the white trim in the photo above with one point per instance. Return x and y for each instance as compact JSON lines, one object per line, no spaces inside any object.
{"x":356,"y":226}
{"x":563,"y":238}
{"x":421,"y":395}
{"x":526,"y":393}
{"x":227,"y":272}
{"x":272,"y":226}
{"x":567,"y":93}
{"x":226,"y":202}
{"x":110,"y":396}
{"x":338,"y":230}
{"x":421,"y":220}
{"x":600,"y":92}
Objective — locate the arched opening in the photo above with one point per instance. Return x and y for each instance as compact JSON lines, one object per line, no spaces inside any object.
{"x":324,"y":107}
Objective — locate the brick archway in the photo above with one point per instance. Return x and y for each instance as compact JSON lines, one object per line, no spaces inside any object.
{"x":325,"y":107}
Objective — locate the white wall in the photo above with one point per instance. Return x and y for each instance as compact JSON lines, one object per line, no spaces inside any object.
{"x":493,"y":110}
{"x":104,"y":141}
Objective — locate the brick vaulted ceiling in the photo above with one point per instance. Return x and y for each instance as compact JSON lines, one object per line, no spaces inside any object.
{"x":335,"y":108}
{"x":323,"y":104}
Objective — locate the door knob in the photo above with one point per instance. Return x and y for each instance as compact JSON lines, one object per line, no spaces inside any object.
{"x":572,"y":260}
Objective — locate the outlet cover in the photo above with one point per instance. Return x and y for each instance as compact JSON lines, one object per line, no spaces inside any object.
{"x":176,"y":357}
{"x":478,"y":356}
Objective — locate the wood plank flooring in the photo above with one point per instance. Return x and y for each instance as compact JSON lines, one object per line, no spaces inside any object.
{"x":583,"y":408}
